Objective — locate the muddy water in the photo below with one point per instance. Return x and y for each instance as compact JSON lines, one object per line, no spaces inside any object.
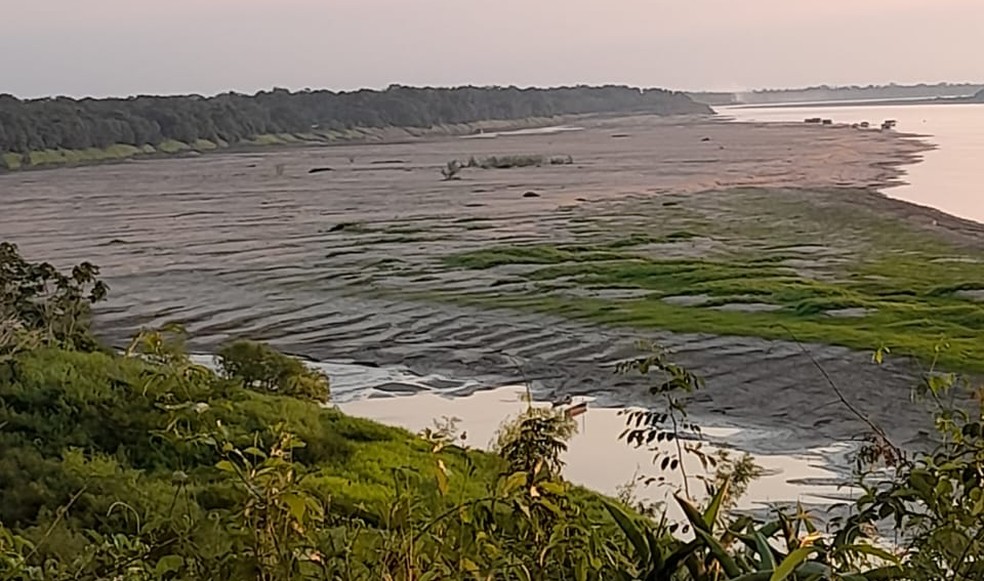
{"x":232,"y":246}
{"x":950,"y":177}
{"x":596,"y":458}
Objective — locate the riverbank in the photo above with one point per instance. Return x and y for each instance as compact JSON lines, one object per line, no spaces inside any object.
{"x":54,"y":158}
{"x":969,"y":99}
{"x":759,"y":226}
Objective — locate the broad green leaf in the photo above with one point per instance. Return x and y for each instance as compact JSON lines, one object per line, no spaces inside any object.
{"x":655,"y":549}
{"x":168,"y":564}
{"x":555,"y":488}
{"x":581,"y":570}
{"x":442,"y":482}
{"x":296,"y":504}
{"x":226,"y":466}
{"x":720,"y":553}
{"x":767,"y":561}
{"x":469,"y":565}
{"x":711,"y":514}
{"x":791,"y":562}
{"x":513,"y":483}
{"x":693,"y":515}
{"x":255,"y":452}
{"x":770,"y":528}
{"x":870,"y":550}
{"x":681,"y":554}
{"x":631,"y":530}
{"x":552,"y":507}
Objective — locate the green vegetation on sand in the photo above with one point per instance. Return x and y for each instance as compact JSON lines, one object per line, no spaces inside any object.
{"x":837,"y":275}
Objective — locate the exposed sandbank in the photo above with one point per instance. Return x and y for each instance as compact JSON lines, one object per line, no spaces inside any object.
{"x":228,"y":246}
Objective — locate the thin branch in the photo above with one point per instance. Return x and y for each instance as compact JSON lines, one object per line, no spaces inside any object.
{"x":47,"y":533}
{"x":679,"y":447}
{"x":843,"y":399}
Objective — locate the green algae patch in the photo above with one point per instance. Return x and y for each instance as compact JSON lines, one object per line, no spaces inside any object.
{"x":774,"y":265}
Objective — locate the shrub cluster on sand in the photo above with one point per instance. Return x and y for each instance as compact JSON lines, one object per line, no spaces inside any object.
{"x":452,"y":170}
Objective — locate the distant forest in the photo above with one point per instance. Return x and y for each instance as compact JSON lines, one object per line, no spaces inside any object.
{"x":149,"y":121}
{"x":874,"y":92}
{"x":842,"y":93}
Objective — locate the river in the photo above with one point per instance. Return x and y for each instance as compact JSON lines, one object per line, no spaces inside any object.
{"x":257,"y":245}
{"x":949,"y":178}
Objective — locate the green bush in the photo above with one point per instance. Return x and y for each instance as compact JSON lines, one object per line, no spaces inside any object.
{"x":37,"y":299}
{"x":510,"y":161}
{"x":259,"y":366}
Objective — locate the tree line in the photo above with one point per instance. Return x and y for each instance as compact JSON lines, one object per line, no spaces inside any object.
{"x":875,"y":92}
{"x":68,"y":123}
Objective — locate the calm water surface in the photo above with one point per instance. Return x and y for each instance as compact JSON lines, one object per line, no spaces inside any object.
{"x":950,"y":178}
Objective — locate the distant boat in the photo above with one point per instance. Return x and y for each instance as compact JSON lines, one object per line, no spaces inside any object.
{"x":576,"y":409}
{"x":571,"y":408}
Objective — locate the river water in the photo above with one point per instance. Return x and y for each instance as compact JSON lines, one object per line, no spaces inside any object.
{"x":229,"y":246}
{"x":950,"y":178}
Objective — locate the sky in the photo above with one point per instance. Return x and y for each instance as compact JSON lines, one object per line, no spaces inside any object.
{"x":126,"y":47}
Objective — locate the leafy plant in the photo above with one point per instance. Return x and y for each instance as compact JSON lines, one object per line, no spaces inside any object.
{"x":935,"y":499}
{"x":451,"y":171}
{"x":276,"y":516}
{"x":259,"y":366}
{"x":36,"y":297}
{"x":669,"y":422}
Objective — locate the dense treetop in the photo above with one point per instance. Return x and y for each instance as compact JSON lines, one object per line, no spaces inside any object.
{"x":66,"y":123}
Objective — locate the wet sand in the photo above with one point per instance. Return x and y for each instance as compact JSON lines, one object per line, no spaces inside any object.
{"x":229,"y":247}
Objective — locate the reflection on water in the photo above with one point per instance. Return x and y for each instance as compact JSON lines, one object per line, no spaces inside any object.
{"x":596,"y":457}
{"x":950,"y":178}
{"x":599,"y":460}
{"x":352,"y":382}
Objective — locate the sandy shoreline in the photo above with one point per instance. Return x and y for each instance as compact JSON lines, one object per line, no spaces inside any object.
{"x":224,"y":244}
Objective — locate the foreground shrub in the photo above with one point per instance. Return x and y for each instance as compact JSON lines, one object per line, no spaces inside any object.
{"x":37,"y":298}
{"x":259,"y":366}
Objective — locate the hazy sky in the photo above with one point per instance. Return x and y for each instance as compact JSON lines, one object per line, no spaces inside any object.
{"x":123,"y":47}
